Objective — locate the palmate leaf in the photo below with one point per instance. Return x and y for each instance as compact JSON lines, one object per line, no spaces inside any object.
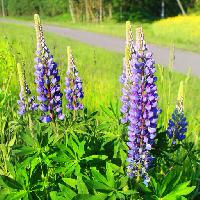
{"x":5,"y":192}
{"x":9,"y":182}
{"x":110,"y":175}
{"x":90,"y":197}
{"x":16,"y":195}
{"x":25,"y":150}
{"x":67,"y":192}
{"x":10,"y":168}
{"x":29,"y":140}
{"x":33,"y":164}
{"x":12,"y":141}
{"x":98,"y":176}
{"x":155,"y":185}
{"x":169,"y":182}
{"x":123,"y":182}
{"x":93,"y":157}
{"x":98,"y":185}
{"x":55,"y":196}
{"x":180,"y":190}
{"x":71,"y":182}
{"x":82,"y":188}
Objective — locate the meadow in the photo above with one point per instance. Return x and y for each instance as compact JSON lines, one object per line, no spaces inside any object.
{"x":85,"y":158}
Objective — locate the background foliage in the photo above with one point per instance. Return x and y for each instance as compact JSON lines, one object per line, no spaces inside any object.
{"x":122,"y":9}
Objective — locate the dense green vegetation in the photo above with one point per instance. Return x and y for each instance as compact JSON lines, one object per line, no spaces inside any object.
{"x":85,"y":158}
{"x":116,"y":9}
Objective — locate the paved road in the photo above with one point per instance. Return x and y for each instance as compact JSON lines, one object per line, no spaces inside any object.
{"x":183,"y":59}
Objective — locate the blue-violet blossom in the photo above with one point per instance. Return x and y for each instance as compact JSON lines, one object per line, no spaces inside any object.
{"x":177,"y":125}
{"x":25,"y":102}
{"x":47,"y":79}
{"x":141,"y":110}
{"x":74,"y":91}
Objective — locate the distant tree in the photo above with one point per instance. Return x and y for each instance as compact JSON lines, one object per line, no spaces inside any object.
{"x":98,"y":10}
{"x":3,"y":8}
{"x":181,"y":7}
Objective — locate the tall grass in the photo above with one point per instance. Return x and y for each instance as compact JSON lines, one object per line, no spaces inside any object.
{"x":100,"y":71}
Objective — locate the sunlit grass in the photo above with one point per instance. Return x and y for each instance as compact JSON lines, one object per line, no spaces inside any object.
{"x":100,"y":71}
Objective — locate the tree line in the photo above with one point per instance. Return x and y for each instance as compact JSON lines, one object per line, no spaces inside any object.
{"x":99,"y":10}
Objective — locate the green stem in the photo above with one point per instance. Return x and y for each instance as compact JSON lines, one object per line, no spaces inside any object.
{"x":74,"y":115}
{"x":30,"y":124}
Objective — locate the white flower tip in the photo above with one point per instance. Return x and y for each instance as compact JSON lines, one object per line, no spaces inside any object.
{"x":68,"y":51}
{"x":37,"y":19}
{"x":180,"y":92}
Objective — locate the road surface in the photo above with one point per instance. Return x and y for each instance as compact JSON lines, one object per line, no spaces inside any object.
{"x":183,"y":59}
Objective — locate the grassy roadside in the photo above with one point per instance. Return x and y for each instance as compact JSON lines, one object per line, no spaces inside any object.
{"x":184,"y":32}
{"x":100,"y":71}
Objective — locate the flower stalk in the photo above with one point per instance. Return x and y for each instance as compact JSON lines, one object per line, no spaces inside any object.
{"x":177,"y":125}
{"x":47,"y":79}
{"x":140,"y":108}
{"x":73,"y":91}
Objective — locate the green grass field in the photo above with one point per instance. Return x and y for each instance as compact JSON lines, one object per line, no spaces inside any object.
{"x":100,"y":70}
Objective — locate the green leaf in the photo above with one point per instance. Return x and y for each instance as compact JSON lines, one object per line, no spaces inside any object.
{"x":90,"y":197}
{"x":144,"y":188}
{"x":55,"y":196}
{"x":92,"y":157}
{"x":68,"y":169}
{"x":98,"y":185}
{"x":16,"y":195}
{"x":98,"y":176}
{"x":180,"y":190}
{"x":123,"y":181}
{"x":30,"y":140}
{"x":25,"y":150}
{"x":120,"y":196}
{"x":82,"y":188}
{"x":171,"y":176}
{"x":10,"y":182}
{"x":71,"y":182}
{"x":110,"y":175}
{"x":4,"y":193}
{"x":112,"y":197}
{"x":73,"y":144}
{"x":10,"y":168}
{"x":12,"y":141}
{"x":155,"y":185}
{"x":129,"y":192}
{"x":34,"y":163}
{"x":81,"y":151}
{"x":67,"y":192}
{"x":3,"y":149}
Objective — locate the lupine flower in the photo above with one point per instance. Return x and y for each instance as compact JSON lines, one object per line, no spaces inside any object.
{"x":25,"y":102}
{"x":177,"y":125}
{"x":74,"y":91}
{"x":124,"y":78}
{"x":47,"y":79}
{"x":141,"y":109}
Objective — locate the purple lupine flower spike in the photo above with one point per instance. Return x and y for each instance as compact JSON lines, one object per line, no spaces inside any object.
{"x":142,"y":111}
{"x":47,"y":79}
{"x":25,"y":102}
{"x":124,"y":79}
{"x":74,"y":91}
{"x":177,"y":125}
